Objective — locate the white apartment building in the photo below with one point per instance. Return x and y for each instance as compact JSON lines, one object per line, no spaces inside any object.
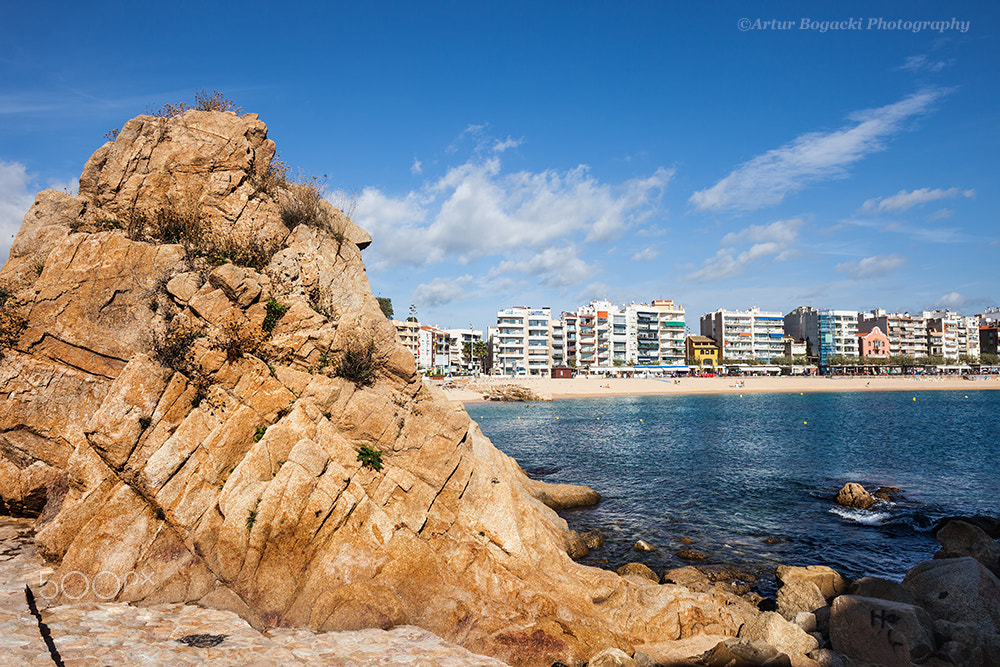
{"x":655,"y":333}
{"x":746,"y":334}
{"x":951,"y":335}
{"x":520,"y":341}
{"x":598,"y":335}
{"x":434,"y":349}
{"x":604,"y":335}
{"x":458,"y":338}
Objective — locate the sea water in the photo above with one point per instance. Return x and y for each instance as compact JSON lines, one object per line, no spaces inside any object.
{"x":749,"y":480}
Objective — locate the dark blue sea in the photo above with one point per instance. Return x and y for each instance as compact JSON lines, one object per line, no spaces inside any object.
{"x":721,"y":474}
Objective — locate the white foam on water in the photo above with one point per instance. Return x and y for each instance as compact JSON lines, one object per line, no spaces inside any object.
{"x":864,"y":517}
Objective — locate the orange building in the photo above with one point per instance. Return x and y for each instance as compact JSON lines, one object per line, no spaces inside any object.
{"x":873,"y":344}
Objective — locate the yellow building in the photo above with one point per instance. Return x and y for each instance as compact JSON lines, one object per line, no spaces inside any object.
{"x":701,"y":351}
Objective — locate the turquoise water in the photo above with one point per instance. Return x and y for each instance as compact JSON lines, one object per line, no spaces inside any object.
{"x":727,"y":472}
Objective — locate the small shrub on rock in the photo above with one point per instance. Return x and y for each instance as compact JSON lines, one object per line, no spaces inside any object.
{"x":275,"y":311}
{"x":175,"y":223}
{"x":238,"y":337}
{"x":251,"y":251}
{"x":302,"y":206}
{"x":203,"y":101}
{"x":360,"y":363}
{"x":173,"y":348}
{"x":370,"y":457}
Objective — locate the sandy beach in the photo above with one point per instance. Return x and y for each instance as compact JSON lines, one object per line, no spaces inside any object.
{"x":582,"y":387}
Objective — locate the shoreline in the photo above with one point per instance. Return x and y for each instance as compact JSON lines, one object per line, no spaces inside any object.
{"x":582,"y":387}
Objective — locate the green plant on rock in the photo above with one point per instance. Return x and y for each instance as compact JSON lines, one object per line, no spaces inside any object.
{"x":275,"y":311}
{"x":261,"y":430}
{"x":370,"y":457}
{"x":252,"y":516}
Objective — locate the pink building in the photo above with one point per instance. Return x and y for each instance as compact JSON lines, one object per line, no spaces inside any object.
{"x":873,"y":344}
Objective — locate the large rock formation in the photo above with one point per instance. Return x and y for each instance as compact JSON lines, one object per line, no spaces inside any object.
{"x":254,"y":438}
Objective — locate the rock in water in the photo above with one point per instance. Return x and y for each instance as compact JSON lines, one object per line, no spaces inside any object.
{"x":253,"y":437}
{"x":854,"y":495}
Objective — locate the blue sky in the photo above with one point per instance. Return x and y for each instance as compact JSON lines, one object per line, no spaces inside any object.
{"x":716,"y":153}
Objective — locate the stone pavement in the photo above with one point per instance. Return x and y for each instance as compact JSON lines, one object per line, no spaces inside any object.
{"x":98,"y":634}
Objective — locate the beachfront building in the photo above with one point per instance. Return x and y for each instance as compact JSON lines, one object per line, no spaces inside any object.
{"x":598,"y":335}
{"x":409,"y":335}
{"x":433,"y":349}
{"x":873,"y":344}
{"x":602,"y":335}
{"x":951,"y":335}
{"x":745,"y":335}
{"x":655,"y":333}
{"x":838,"y":334}
{"x":907,"y":334}
{"x":802,"y":324}
{"x":520,"y":342}
{"x":458,"y":339}
{"x":701,"y":351}
{"x":794,"y":348}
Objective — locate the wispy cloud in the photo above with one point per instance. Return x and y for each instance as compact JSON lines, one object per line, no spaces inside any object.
{"x":903,"y":200}
{"x":15,"y":200}
{"x":501,"y":146}
{"x":646,"y":254}
{"x":775,"y":240}
{"x":417,"y":167}
{"x":923,"y":63}
{"x":871,"y":267}
{"x":767,"y":179}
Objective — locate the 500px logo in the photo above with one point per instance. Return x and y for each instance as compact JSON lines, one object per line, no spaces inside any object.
{"x":75,"y":585}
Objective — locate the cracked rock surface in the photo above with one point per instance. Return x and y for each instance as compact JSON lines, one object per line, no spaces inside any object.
{"x":181,"y":442}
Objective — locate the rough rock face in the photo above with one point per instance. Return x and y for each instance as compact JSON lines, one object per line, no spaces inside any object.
{"x":854,"y":495}
{"x":194,"y":437}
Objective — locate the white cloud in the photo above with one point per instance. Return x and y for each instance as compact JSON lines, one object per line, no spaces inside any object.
{"x":555,"y":267}
{"x":871,"y":267}
{"x":952,"y":301}
{"x":767,"y":179}
{"x":646,"y":254}
{"x":903,"y":200}
{"x":441,"y":291}
{"x":775,"y":240}
{"x":416,"y":167}
{"x":15,"y":200}
{"x":501,"y":146}
{"x":476,"y":210}
{"x":941,"y":214}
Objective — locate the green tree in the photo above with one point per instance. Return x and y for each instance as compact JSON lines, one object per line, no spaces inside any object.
{"x":385,"y":303}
